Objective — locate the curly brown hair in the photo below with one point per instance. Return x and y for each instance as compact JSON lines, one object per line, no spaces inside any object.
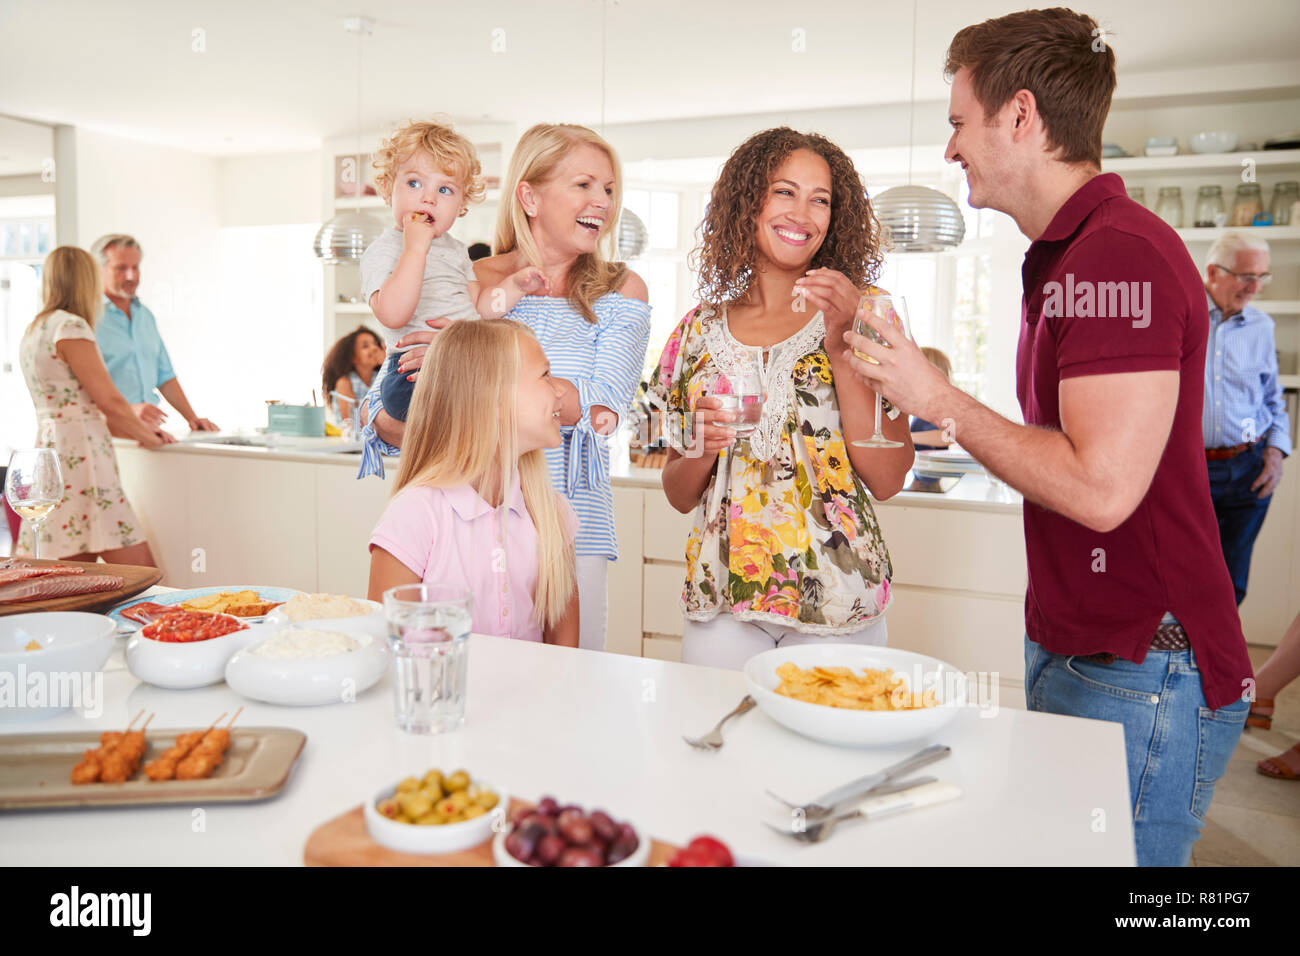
{"x":724,"y":259}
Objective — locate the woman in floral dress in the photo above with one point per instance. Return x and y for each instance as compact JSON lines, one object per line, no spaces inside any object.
{"x":78,"y":409}
{"x":785,"y":548}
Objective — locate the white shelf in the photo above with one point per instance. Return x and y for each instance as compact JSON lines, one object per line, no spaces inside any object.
{"x":1289,"y":381}
{"x":1275,"y":160}
{"x":351,"y":308}
{"x":1278,"y":306}
{"x":1270,"y":233}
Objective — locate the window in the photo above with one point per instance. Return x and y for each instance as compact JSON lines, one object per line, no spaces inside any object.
{"x":663,"y":262}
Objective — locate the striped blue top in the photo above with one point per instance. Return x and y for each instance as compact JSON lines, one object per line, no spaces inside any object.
{"x":604,"y":362}
{"x":1243,"y":396}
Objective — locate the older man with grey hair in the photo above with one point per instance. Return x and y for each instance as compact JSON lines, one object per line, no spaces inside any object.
{"x":128,"y":338}
{"x":1245,"y":423}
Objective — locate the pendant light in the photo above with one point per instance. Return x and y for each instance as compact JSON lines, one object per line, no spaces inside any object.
{"x":345,"y":236}
{"x":917,"y":218}
{"x":631,"y":235}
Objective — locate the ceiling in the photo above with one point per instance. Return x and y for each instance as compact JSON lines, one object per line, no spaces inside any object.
{"x":249,"y":76}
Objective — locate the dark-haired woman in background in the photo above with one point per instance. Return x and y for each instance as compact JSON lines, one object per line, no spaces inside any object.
{"x":348,"y":370}
{"x":785,"y":548}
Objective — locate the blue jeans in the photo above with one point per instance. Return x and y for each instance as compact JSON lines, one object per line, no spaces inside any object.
{"x":1177,"y":748}
{"x":1240,"y":511}
{"x":394,"y":389}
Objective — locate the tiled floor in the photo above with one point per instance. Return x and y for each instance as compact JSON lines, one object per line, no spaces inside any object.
{"x":1255,"y":820}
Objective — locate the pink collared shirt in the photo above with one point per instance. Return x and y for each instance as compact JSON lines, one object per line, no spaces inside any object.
{"x":451,"y":536}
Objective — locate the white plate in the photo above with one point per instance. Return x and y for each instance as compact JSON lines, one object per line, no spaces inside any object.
{"x":335,"y":679}
{"x":184,"y":665}
{"x":74,"y":645}
{"x":640,"y":856}
{"x":857,"y":728}
{"x":446,"y":838}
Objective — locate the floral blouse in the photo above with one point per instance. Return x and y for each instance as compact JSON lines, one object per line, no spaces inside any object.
{"x":784,"y":532}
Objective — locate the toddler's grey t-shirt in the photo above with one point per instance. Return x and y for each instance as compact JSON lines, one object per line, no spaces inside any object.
{"x":447,"y":273}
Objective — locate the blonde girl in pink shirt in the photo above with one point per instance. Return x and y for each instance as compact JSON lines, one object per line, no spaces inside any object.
{"x":474,"y":506}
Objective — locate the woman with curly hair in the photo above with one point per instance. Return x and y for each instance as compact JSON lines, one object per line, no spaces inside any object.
{"x":349,"y":369}
{"x":785,"y":548}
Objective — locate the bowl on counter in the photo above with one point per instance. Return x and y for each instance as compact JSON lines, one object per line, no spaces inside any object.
{"x":309,"y":681}
{"x":372,"y":622}
{"x":441,"y":838}
{"x":857,"y":728}
{"x":1219,"y":141}
{"x":182,"y":666}
{"x":640,"y":856}
{"x":73,"y":645}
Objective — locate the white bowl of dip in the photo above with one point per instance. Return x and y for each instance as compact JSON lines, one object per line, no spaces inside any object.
{"x":331,"y":612}
{"x":182,"y":666}
{"x":307,"y":666}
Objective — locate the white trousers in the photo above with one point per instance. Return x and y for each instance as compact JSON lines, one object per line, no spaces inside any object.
{"x":593,"y":601}
{"x":728,"y":642}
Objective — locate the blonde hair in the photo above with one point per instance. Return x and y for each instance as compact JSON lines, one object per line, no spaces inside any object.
{"x":939,"y":361}
{"x":452,"y":153}
{"x":537,"y":156}
{"x":70,"y":282}
{"x":462,"y":429}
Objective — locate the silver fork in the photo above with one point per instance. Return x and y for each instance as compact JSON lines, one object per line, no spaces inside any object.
{"x":713,"y":739}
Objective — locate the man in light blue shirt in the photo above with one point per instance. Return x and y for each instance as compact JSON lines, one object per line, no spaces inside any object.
{"x":128,"y":338}
{"x":1244,"y":420}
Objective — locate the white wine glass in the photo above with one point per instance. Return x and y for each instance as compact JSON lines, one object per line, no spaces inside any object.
{"x":892,"y":308}
{"x":34,"y":488}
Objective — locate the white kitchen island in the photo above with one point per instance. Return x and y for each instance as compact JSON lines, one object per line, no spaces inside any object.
{"x":220,"y":515}
{"x":604,"y":730}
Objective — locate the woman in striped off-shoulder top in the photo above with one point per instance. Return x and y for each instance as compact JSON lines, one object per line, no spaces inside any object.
{"x":558,"y":212}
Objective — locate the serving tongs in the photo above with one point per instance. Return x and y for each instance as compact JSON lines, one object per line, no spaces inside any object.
{"x":834,"y":802}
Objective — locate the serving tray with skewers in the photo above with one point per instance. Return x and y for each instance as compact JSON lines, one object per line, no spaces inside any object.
{"x":36,"y":770}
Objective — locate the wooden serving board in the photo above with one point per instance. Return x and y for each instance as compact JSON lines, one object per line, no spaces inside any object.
{"x":344,"y":841}
{"x":134,"y":580}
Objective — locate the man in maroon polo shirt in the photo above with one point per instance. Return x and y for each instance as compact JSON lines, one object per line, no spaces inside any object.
{"x":1129,"y":612}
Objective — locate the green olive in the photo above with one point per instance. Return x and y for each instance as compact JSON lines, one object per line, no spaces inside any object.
{"x":457,"y":781}
{"x":410,"y":783}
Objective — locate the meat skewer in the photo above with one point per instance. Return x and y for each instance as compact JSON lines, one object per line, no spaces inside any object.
{"x":208,"y":755}
{"x":126,"y":756}
{"x":164,"y":768}
{"x":91,"y":766}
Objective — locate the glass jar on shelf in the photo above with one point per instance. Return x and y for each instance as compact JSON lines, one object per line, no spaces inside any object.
{"x":1138,"y":195}
{"x":1248,"y":204}
{"x":1209,"y":208}
{"x":1169,"y":206}
{"x":1285,"y":196}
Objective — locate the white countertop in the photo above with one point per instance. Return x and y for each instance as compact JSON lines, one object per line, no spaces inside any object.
{"x":604,"y":730}
{"x":972,"y":492}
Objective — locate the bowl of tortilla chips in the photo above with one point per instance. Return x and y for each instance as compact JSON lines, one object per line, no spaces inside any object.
{"x":855,"y":695}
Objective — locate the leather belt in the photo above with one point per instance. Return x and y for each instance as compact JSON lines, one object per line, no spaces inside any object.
{"x":1168,"y":637}
{"x":1223,"y":454}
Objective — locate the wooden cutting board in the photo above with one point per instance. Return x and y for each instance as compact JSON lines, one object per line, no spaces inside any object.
{"x":134,"y":580}
{"x":344,"y":841}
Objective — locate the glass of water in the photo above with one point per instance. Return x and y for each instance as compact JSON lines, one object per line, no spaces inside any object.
{"x":746,"y":392}
{"x":428,"y":633}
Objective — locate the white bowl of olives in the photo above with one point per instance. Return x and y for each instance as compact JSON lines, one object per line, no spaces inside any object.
{"x":435,"y":813}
